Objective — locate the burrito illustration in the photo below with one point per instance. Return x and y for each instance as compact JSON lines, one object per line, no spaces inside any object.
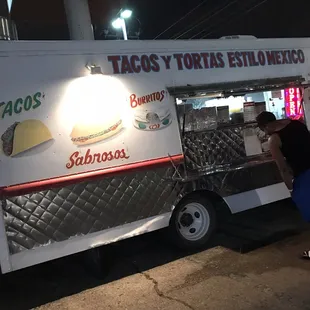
{"x":23,"y":136}
{"x":152,"y":119}
{"x":87,"y":132}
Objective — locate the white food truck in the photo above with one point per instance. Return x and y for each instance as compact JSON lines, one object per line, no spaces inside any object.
{"x":106,"y":140}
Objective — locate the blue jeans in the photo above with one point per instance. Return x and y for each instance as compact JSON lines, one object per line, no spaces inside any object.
{"x":301,"y":194}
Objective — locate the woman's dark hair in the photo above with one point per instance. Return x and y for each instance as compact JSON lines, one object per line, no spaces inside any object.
{"x":265,"y":118}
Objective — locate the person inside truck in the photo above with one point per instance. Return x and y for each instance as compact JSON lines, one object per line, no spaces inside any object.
{"x":289,"y":143}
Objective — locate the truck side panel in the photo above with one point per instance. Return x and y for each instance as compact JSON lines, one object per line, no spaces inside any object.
{"x":45,"y":225}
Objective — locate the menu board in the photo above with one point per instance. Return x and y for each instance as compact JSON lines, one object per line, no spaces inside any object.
{"x":252,"y":109}
{"x":249,"y":112}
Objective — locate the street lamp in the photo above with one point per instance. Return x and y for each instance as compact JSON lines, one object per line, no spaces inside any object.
{"x":126,"y":13}
{"x":120,"y":23}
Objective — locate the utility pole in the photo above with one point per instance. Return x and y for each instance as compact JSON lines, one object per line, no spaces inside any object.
{"x":79,"y":20}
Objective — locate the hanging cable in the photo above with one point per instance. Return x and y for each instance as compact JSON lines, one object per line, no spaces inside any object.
{"x":229,"y":21}
{"x":209,"y":28}
{"x":183,"y":17}
{"x":205,"y":20}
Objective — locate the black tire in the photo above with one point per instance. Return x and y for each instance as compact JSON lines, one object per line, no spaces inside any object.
{"x":174,"y":228}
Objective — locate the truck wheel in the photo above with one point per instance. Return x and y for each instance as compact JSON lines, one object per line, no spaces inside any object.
{"x":193,"y":222}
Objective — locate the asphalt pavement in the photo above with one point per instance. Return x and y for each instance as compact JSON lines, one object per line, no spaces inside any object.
{"x":252,"y":263}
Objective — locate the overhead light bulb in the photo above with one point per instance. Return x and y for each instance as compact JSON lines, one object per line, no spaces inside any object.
{"x":117,"y":24}
{"x":126,"y":14}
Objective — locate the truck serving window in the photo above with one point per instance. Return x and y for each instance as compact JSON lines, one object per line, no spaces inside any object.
{"x":237,"y":103}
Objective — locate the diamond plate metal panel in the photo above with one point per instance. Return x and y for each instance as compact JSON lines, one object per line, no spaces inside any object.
{"x":214,"y":147}
{"x":238,"y":181}
{"x":56,"y":215}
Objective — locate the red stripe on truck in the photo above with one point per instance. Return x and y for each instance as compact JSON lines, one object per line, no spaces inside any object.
{"x":26,"y":188}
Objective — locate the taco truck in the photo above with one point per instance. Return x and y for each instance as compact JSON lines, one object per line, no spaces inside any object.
{"x":106,"y":140}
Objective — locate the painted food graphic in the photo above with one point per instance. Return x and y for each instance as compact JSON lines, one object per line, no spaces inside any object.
{"x":99,"y":128}
{"x":23,"y":136}
{"x":152,"y":119}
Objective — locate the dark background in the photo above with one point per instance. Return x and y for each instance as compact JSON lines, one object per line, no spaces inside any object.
{"x":45,"y":20}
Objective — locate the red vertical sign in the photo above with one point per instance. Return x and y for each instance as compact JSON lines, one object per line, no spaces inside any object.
{"x":293,"y":107}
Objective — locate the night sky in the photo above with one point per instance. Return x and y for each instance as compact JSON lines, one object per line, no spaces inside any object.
{"x":212,"y":18}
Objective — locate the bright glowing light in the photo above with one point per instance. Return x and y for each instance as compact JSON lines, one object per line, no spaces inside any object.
{"x":117,"y":24}
{"x":94,"y":99}
{"x":126,"y":14}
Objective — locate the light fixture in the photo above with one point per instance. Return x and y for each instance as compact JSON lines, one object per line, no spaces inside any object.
{"x":94,"y":69}
{"x":120,"y":23}
{"x":126,"y":13}
{"x":117,"y":23}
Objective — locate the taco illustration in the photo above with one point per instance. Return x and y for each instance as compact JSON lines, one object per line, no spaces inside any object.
{"x":152,"y":119}
{"x":23,"y":136}
{"x":89,"y":132}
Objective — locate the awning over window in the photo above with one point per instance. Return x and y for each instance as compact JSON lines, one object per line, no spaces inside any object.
{"x":238,"y":87}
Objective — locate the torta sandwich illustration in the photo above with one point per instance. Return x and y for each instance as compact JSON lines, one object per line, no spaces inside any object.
{"x":89,"y":132}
